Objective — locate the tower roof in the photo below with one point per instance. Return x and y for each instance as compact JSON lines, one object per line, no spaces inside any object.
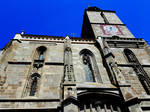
{"x":93,"y":9}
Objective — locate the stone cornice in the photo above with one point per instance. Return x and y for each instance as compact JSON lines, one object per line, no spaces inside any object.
{"x":58,"y":39}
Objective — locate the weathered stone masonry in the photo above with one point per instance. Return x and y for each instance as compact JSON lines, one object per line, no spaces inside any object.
{"x":106,"y":70}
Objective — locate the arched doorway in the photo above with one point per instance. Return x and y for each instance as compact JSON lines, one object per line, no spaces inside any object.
{"x":101,"y":102}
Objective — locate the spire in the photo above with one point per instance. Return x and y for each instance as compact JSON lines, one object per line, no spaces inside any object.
{"x":22,"y":32}
{"x":67,"y":37}
{"x":93,"y":9}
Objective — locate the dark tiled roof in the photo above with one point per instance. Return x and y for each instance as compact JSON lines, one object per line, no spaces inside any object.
{"x":48,"y":36}
{"x":97,"y":9}
{"x":54,"y":37}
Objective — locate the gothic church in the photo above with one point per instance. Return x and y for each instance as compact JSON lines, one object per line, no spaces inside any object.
{"x":106,"y":70}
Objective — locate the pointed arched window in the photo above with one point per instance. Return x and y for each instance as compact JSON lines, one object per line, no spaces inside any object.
{"x":89,"y":66}
{"x":130,"y":56}
{"x":39,"y":57}
{"x":41,"y":50}
{"x":34,"y":81}
{"x":138,"y":68}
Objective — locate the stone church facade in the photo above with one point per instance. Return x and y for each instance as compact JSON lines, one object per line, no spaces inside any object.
{"x":106,"y":70}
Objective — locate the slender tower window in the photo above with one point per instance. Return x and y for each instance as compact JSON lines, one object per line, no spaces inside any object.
{"x":41,"y":51}
{"x":34,"y":78}
{"x":41,"y":55}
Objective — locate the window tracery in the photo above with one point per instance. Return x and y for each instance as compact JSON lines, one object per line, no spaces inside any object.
{"x":138,"y":68}
{"x":90,"y":66}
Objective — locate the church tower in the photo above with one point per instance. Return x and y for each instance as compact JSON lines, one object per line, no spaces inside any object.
{"x":106,"y":70}
{"x":125,"y":57}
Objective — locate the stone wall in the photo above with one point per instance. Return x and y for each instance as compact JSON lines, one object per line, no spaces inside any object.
{"x":95,"y":17}
{"x":55,"y":53}
{"x":141,"y":55}
{"x":133,"y":80}
{"x":78,"y":65}
{"x":50,"y":82}
{"x":128,"y":72}
{"x":15,"y":81}
{"x":112,"y":18}
{"x":22,"y":52}
{"x":16,"y":63}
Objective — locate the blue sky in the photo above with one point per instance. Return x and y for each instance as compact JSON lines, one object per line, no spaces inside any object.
{"x":64,"y":17}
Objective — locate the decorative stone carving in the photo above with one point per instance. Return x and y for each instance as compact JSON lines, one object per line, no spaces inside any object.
{"x":2,"y":80}
{"x":68,"y":66}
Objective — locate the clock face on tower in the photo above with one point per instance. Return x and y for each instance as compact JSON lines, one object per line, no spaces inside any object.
{"x":111,"y":30}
